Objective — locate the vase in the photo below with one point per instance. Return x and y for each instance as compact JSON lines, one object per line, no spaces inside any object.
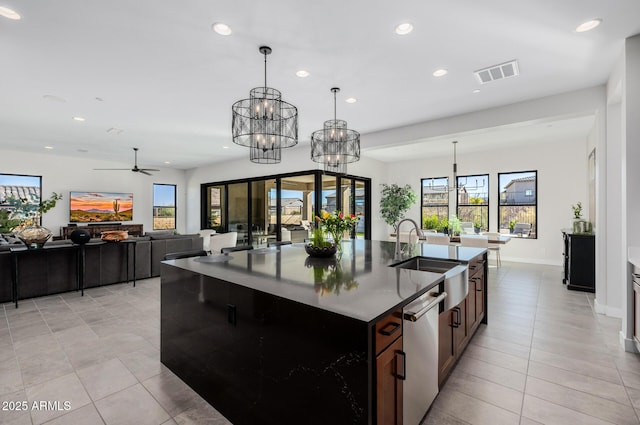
{"x":321,"y":252}
{"x":337,"y":239}
{"x":34,"y":236}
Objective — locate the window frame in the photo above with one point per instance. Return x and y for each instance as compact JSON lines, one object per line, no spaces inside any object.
{"x":175,"y":207}
{"x":484,"y":206}
{"x":422,"y":205}
{"x":535,"y":229}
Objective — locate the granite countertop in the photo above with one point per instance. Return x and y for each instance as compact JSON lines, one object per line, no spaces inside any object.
{"x":360,"y":285}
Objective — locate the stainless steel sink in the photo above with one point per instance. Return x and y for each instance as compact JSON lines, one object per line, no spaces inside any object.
{"x":456,"y":276}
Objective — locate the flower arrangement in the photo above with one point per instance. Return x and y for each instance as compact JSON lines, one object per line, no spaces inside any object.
{"x":336,"y":224}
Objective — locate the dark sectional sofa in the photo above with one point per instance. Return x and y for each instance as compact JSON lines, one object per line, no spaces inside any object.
{"x":54,"y":270}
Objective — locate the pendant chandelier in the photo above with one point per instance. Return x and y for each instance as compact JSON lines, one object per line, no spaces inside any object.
{"x":264,"y":122}
{"x":335,"y":145}
{"x":454,"y":186}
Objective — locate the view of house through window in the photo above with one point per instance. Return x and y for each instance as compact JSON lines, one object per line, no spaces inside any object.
{"x":518,"y":203}
{"x":164,"y":206}
{"x":473,"y":201}
{"x":435,"y":203}
{"x":16,"y":186}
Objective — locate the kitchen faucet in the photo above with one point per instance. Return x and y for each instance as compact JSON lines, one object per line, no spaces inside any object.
{"x":397,"y":255}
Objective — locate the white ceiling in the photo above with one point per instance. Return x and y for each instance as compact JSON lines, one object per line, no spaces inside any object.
{"x":169,"y":82}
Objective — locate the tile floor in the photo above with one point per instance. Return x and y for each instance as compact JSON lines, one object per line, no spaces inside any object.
{"x":544,"y":358}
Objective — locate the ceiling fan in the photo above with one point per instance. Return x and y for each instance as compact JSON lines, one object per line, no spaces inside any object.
{"x":135,"y":168}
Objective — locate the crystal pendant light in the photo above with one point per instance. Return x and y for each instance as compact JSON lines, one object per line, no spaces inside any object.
{"x":335,"y":145}
{"x":264,"y":122}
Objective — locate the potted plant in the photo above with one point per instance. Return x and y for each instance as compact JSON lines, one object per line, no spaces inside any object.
{"x":443,"y":226}
{"x":477,"y":225}
{"x":394,"y":202}
{"x":454,"y":226}
{"x":577,"y":210}
{"x":29,"y":212}
{"x":512,"y":225}
{"x":318,"y":246}
{"x":431,"y":222}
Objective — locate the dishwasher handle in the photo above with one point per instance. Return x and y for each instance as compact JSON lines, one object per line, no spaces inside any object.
{"x":414,"y":316}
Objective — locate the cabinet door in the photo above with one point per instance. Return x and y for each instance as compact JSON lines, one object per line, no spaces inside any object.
{"x":471,"y":303}
{"x":479,"y":286}
{"x":446,"y":353}
{"x":461,"y":331}
{"x":390,"y":369}
{"x":636,"y":314}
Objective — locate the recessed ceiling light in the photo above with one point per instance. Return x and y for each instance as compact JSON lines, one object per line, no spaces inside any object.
{"x":588,"y":25}
{"x":79,"y":119}
{"x":52,"y":98}
{"x":476,"y":91}
{"x":351,"y":100}
{"x":440,"y":72}
{"x":114,"y":130}
{"x":222,"y":29}
{"x":167,"y":162}
{"x":404,"y":28}
{"x":225,"y":147}
{"x":302,"y":73}
{"x":48,"y":147}
{"x":10,"y":14}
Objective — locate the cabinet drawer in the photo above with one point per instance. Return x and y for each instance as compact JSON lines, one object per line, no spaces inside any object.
{"x":476,"y":266}
{"x":388,"y":329}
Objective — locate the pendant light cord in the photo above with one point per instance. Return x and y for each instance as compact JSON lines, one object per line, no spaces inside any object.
{"x":265,"y":72}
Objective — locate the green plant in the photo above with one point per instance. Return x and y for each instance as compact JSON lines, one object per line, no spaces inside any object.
{"x":394,"y":202}
{"x":477,"y":223}
{"x":512,"y":224}
{"x":116,"y":207}
{"x":443,"y":225}
{"x":454,"y":225}
{"x":317,"y":238}
{"x":29,"y":210}
{"x":430,"y":222}
{"x":7,"y":224}
{"x":476,"y":200}
{"x":577,"y":210}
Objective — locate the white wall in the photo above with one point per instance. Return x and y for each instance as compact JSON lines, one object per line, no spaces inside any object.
{"x":562,"y":181}
{"x":63,"y":174}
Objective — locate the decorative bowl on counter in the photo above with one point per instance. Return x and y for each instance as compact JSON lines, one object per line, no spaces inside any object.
{"x":321,"y":252}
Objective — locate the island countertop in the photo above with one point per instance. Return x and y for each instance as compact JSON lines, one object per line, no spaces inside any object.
{"x":360,"y":284}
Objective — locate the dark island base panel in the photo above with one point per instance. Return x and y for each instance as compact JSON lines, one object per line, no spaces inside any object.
{"x":252,"y":355}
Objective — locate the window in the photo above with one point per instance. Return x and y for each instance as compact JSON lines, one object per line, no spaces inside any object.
{"x":17,"y":186}
{"x":473,"y":201}
{"x":435,"y":202}
{"x":164,"y":206}
{"x":518,"y":203}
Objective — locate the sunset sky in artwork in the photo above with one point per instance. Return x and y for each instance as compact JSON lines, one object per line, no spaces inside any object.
{"x":100,"y":200}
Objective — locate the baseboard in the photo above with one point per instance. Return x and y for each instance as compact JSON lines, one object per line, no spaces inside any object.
{"x":599,"y":308}
{"x":629,"y":344}
{"x":543,"y":261}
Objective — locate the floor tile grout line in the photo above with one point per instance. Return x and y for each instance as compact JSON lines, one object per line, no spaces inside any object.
{"x":524,"y":390}
{"x":570,"y":408}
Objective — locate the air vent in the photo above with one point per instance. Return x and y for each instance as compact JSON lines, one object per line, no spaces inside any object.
{"x":497,"y":72}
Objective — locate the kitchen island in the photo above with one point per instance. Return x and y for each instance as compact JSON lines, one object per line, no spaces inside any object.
{"x":272,"y":336}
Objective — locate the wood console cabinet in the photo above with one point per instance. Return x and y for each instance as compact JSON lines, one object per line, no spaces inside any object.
{"x":579,"y":271}
{"x":457,"y":325}
{"x":389,"y":369}
{"x":95,"y":230}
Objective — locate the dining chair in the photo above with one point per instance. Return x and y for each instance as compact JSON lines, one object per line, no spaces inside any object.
{"x":185,"y":254}
{"x":494,"y":246}
{"x":437,"y":239}
{"x":478,"y":241}
{"x":206,"y":238}
{"x":223,"y":240}
{"x":278,"y":243}
{"x":229,"y":249}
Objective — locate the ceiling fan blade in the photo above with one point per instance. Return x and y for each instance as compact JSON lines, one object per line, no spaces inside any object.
{"x":148,"y":169}
{"x":140,"y":170}
{"x":111,"y":169}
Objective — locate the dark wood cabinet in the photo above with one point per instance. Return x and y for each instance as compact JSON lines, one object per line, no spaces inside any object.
{"x":579,"y":260}
{"x":457,"y":325}
{"x":390,"y":369}
{"x":96,"y":229}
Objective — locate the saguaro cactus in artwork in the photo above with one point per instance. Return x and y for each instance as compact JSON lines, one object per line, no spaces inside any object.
{"x":116,"y":207}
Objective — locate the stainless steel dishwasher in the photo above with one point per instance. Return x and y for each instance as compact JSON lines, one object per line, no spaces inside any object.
{"x":420,"y":343}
